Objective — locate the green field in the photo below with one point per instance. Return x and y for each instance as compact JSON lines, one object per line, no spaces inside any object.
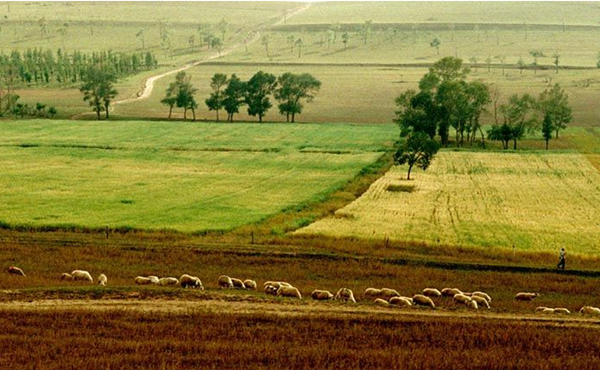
{"x":182,"y":176}
{"x":536,"y":201}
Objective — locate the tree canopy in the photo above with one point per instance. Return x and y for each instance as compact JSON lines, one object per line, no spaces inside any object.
{"x":98,"y":90}
{"x":292,"y":89}
{"x":419,"y":149}
{"x":259,"y":87}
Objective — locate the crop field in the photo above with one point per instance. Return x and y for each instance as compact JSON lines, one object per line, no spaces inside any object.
{"x":534,"y":201}
{"x":183,"y":176}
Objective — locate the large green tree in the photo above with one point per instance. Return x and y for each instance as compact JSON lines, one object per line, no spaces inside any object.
{"x":520,"y":115}
{"x":234,"y":96}
{"x":555,"y":103}
{"x":259,"y":87}
{"x":292,"y":89}
{"x":418,"y":150}
{"x":98,"y":90}
{"x":215,"y":101}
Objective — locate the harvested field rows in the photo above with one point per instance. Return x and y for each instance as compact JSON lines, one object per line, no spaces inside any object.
{"x":534,"y":201}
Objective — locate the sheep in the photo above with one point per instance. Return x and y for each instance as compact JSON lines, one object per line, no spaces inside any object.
{"x":66,"y":276}
{"x":168,"y":281}
{"x":250,"y":284}
{"x":461,"y":298}
{"x":238,"y":284}
{"x":589,"y":310}
{"x":472,"y":305}
{"x":484,"y":295}
{"x":277,"y":284}
{"x":548,"y":310}
{"x":450,"y":292}
{"x":345,"y":295}
{"x":540,"y":308}
{"x":270,"y":289}
{"x":288,"y":291}
{"x":141,"y":280}
{"x":431,"y":292}
{"x":372,"y":292}
{"x":381,"y":302}
{"x":82,"y":275}
{"x":526,"y":296}
{"x":187,"y":281}
{"x":401,"y":301}
{"x":102,"y":280}
{"x":481,"y":301}
{"x":225,"y":282}
{"x":421,"y":300}
{"x":321,"y":295}
{"x":15,"y":271}
{"x":561,"y":311}
{"x":387,"y":293}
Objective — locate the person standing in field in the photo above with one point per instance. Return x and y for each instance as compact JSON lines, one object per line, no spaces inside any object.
{"x":561,"y":259}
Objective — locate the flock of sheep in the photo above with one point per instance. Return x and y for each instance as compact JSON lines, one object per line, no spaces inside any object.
{"x":382,"y":297}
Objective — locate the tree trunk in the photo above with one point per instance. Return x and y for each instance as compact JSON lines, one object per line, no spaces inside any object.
{"x":184,"y":113}
{"x":293,"y":117}
{"x":98,"y":112}
{"x":557,"y":129}
{"x":547,"y":143}
{"x":217,"y":114}
{"x":515,"y":144}
{"x":193,"y":114}
{"x":106,"y":106}
{"x":260,"y":117}
{"x":170,"y":111}
{"x":482,"y":137}
{"x":409,"y":169}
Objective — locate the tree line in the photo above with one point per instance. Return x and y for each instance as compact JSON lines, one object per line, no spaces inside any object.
{"x":230,"y":93}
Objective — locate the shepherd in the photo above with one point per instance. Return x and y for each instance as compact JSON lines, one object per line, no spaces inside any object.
{"x":561,"y":259}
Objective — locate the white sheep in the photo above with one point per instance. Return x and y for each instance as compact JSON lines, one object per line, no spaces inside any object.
{"x":238,"y":284}
{"x":461,"y":298}
{"x":276,"y":284}
{"x":270,"y":289}
{"x":450,"y":292}
{"x":15,"y":271}
{"x":167,"y":281}
{"x":372,"y":292}
{"x":66,"y":276}
{"x":526,"y":296}
{"x":431,"y":292}
{"x":250,"y":284}
{"x":421,"y":300}
{"x":153,"y":279}
{"x":387,"y":293}
{"x":142,"y":280}
{"x":82,"y":275}
{"x":187,"y":281}
{"x":589,"y":310}
{"x":345,"y":295}
{"x":484,"y":295}
{"x":401,"y":301}
{"x":480,"y":301}
{"x":321,"y":295}
{"x":472,"y":305}
{"x":561,"y":310}
{"x":225,"y":282}
{"x":381,"y":302}
{"x":288,"y":291}
{"x":102,"y":280}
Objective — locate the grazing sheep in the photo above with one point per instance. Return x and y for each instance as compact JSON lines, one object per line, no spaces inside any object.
{"x":548,"y":310}
{"x":526,"y":296}
{"x":372,"y":292}
{"x":225,"y":282}
{"x":277,"y":284}
{"x":288,"y":291}
{"x":102,"y":280}
{"x":250,"y":284}
{"x":421,"y":300}
{"x":480,"y":301}
{"x":540,"y":308}
{"x":589,"y":310}
{"x":238,"y":284}
{"x":472,"y":305}
{"x":461,"y":298}
{"x":381,"y":302}
{"x":321,"y":295}
{"x":431,"y":292}
{"x":166,"y":281}
{"x":561,"y":310}
{"x":82,"y":275}
{"x":387,"y":293}
{"x":66,"y":276}
{"x":187,"y":281}
{"x":450,"y":292}
{"x":153,"y":279}
{"x":270,"y":289}
{"x":15,"y":271}
{"x":401,"y":301}
{"x":141,"y":280}
{"x":345,"y":295}
{"x":484,"y":295}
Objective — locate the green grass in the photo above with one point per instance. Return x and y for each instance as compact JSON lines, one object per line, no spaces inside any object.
{"x":183,"y":176}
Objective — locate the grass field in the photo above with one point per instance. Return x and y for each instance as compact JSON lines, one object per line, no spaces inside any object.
{"x":183,"y":176}
{"x":535,"y":201}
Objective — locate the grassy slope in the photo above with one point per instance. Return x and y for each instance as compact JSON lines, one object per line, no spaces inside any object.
{"x":185,"y":176}
{"x":535,"y":201}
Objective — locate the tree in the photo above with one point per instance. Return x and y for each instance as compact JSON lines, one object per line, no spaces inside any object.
{"x":259,"y":87}
{"x":488,"y":61}
{"x":555,"y":104}
{"x":98,"y":89}
{"x":473,"y":61}
{"x":215,"y":101}
{"x":536,"y":54}
{"x":547,"y":129}
{"x":265,"y":42}
{"x":233,"y":96}
{"x":171,"y":98}
{"x":222,"y":27}
{"x":293,"y":88}
{"x":521,"y":65}
{"x":191,"y":42}
{"x":419,"y":149}
{"x":140,"y":35}
{"x":556,"y":58}
{"x":435,"y":43}
{"x":299,"y":43}
{"x":519,"y":115}
{"x":52,"y":112}
{"x":502,"y":59}
{"x":501,"y":133}
{"x":291,"y":39}
{"x":346,"y":38}
{"x":365,"y":30}
{"x":185,"y":94}
{"x":216,"y":43}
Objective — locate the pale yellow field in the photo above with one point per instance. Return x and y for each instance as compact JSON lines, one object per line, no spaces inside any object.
{"x":536,"y":201}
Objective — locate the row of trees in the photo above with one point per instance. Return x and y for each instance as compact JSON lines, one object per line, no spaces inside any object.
{"x":231,"y":93}
{"x":445,"y":100}
{"x":38,"y":66}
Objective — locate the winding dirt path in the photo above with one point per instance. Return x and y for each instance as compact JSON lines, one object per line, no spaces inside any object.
{"x":252,"y":37}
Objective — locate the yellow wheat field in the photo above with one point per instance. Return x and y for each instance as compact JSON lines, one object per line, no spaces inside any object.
{"x":535,"y":201}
